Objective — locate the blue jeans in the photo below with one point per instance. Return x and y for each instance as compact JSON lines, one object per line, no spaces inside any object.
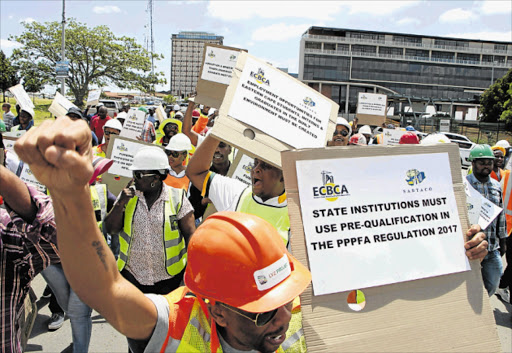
{"x":492,"y":267}
{"x":79,"y":313}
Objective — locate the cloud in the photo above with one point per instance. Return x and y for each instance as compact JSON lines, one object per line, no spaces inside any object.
{"x":243,"y":10}
{"x":279,"y":32}
{"x":11,"y":17}
{"x":27,"y":20}
{"x":9,"y":44}
{"x":494,"y":36}
{"x":495,"y":7}
{"x":378,"y":8}
{"x":407,"y":21}
{"x":101,"y":10}
{"x":456,"y":15}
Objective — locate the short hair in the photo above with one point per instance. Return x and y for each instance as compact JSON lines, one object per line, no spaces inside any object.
{"x":6,"y":105}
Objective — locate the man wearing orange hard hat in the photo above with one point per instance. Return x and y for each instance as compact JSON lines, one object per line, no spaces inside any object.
{"x":240,"y":283}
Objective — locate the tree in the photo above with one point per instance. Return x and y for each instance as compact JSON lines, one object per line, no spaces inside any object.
{"x":493,"y":100}
{"x":170,"y":99}
{"x":506,"y":116}
{"x":96,"y":56}
{"x":8,"y":76}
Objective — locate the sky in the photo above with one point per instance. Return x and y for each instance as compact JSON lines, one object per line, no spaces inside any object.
{"x":270,"y":30}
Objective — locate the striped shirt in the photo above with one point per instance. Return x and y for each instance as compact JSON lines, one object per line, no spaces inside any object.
{"x":25,"y":250}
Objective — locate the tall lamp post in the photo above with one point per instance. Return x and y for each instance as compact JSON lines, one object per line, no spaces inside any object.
{"x":63,"y":49}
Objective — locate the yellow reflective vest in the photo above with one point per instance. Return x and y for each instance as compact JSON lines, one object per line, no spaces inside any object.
{"x":99,"y":202}
{"x":174,"y":246}
{"x":277,"y":216}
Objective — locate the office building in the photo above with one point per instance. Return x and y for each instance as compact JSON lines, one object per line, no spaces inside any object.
{"x":449,"y":73}
{"x":186,"y":60}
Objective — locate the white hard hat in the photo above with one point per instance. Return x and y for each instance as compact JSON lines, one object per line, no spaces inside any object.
{"x":365,"y":130}
{"x":176,"y":107}
{"x":503,"y":143}
{"x":434,"y":139}
{"x":150,"y":158}
{"x":211,"y":111}
{"x":178,"y":114}
{"x":179,"y":142}
{"x":29,"y":110}
{"x":344,"y":122}
{"x":113,"y":124}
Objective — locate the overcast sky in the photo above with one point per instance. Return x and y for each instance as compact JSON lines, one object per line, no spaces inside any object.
{"x":270,"y":30}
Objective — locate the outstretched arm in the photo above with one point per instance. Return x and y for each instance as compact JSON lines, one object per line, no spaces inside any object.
{"x":16,"y":195}
{"x":59,"y":155}
{"x":199,"y":164}
{"x":187,"y":124}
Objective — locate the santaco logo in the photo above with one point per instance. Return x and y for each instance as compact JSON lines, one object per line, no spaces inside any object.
{"x":262,"y":279}
{"x":133,"y":117}
{"x":309,"y":102}
{"x":211,"y":55}
{"x":122,"y":147}
{"x":414,"y":177}
{"x":329,"y":190}
{"x":232,"y":57}
{"x":260,"y":77}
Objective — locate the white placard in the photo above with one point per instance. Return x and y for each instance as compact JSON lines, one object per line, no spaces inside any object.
{"x":16,"y":134}
{"x":122,"y":154}
{"x":28,"y":177}
{"x":371,"y":104}
{"x":21,"y":96}
{"x":392,"y":136}
{"x":360,"y":234}
{"x":280,"y":106}
{"x":60,"y":105}
{"x":480,"y":210}
{"x":94,"y":97}
{"x":243,"y":170}
{"x":444,"y":125}
{"x":133,"y":124}
{"x":9,"y":144}
{"x":218,"y":64}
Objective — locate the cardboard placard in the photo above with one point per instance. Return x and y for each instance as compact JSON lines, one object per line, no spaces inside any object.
{"x":21,"y":96}
{"x":371,"y":108}
{"x":395,"y":315}
{"x":215,"y":74}
{"x":94,"y":97}
{"x":2,"y":156}
{"x":121,"y":150}
{"x":60,"y":105}
{"x":160,"y":113}
{"x":241,"y":167}
{"x":392,"y":136}
{"x":481,"y":211}
{"x":28,"y":177}
{"x":266,"y":111}
{"x":133,"y":124}
{"x":9,"y":142}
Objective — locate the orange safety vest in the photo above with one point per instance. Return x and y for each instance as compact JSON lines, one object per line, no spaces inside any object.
{"x":495,"y":176}
{"x":178,"y":183}
{"x":506,"y":187}
{"x":191,"y":326}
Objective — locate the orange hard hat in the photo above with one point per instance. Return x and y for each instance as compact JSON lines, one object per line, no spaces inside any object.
{"x":240,"y":260}
{"x":409,"y":138}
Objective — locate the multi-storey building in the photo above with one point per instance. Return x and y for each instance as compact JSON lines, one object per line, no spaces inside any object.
{"x":450,"y":72}
{"x":186,"y":59}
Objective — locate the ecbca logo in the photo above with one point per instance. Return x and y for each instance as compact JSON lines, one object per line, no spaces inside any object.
{"x":260,"y":77}
{"x":329,"y":190}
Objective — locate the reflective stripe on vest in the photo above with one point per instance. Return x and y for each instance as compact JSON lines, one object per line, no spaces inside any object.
{"x":277,"y":216}
{"x":173,"y":242}
{"x":99,"y":202}
{"x":195,"y":336}
{"x":507,"y":200}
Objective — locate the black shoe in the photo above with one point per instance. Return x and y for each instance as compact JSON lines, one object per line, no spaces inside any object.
{"x":47,"y":292}
{"x":56,"y":321}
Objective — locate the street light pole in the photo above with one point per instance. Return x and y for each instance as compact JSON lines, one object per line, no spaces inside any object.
{"x":63,"y":50}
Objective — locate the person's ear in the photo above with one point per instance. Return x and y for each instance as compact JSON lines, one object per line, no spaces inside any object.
{"x":218,"y":314}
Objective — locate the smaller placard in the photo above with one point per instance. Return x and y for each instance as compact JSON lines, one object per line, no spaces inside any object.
{"x":94,"y":97}
{"x":371,"y":108}
{"x":60,"y":105}
{"x":21,"y":96}
{"x":241,"y":168}
{"x":28,"y":177}
{"x":392,"y":136}
{"x":122,"y":150}
{"x":133,"y":124}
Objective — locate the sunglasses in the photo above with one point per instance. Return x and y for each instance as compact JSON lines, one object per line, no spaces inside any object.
{"x":108,"y":133}
{"x":174,"y":154}
{"x":260,"y":320}
{"x":139,"y":175}
{"x":171,"y":127}
{"x":342,"y":133}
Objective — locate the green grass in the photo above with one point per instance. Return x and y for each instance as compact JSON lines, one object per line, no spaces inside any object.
{"x":41,"y":109}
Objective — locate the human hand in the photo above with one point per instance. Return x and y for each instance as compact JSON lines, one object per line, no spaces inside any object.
{"x":59,"y":154}
{"x":476,"y":246}
{"x":127,"y":194}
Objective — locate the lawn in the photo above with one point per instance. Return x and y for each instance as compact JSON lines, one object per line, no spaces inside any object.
{"x":41,"y":109}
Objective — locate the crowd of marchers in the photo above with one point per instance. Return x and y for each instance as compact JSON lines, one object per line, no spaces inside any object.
{"x":178,"y":260}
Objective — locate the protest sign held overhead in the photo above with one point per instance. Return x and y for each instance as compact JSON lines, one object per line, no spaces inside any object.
{"x":133,"y":124}
{"x":371,"y":108}
{"x":387,"y":244}
{"x":60,"y":105}
{"x":215,"y":74}
{"x":21,"y":96}
{"x":266,"y":111}
{"x":94,"y":97}
{"x":241,"y":168}
{"x":392,"y":136}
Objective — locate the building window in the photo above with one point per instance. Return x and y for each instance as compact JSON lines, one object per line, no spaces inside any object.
{"x":364,"y":48}
{"x":391,"y":51}
{"x":468,"y":57}
{"x":407,"y":39}
{"x":415,"y":53}
{"x":313,"y":45}
{"x":329,"y":46}
{"x":442,"y":55}
{"x":500,"y":47}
